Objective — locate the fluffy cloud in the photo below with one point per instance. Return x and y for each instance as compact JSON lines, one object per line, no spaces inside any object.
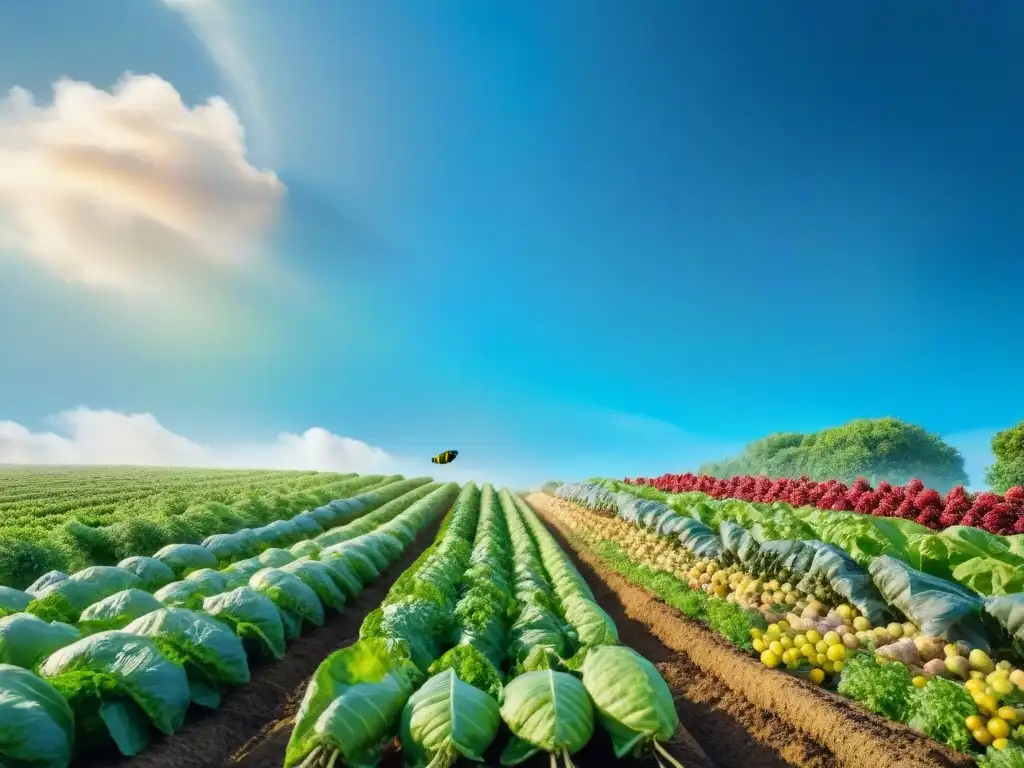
{"x":86,"y":436}
{"x":131,"y":189}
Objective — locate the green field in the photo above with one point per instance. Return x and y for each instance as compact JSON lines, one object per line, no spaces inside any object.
{"x":69,"y":518}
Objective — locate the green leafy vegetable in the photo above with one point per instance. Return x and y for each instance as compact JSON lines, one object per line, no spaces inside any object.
{"x":632,"y":701}
{"x":939,"y":711}
{"x":116,"y":667}
{"x":885,"y":689}
{"x":26,"y":639}
{"x":352,"y":704}
{"x":37,"y":727}
{"x":447,"y":718}
{"x":546,"y":711}
{"x":116,"y":611}
{"x":210,"y":652}
{"x":252,"y":616}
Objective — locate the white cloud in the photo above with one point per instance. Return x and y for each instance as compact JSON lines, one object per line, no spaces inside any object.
{"x":131,"y":189}
{"x":211,"y":22}
{"x":106,"y":437}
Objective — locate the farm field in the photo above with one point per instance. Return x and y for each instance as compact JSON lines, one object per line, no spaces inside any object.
{"x":420,"y":622}
{"x":67,"y":519}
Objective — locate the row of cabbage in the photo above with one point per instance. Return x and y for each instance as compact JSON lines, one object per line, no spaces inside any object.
{"x":881,"y":587}
{"x":137,"y":658}
{"x":827,"y":614}
{"x":983,"y":562}
{"x":491,"y":624}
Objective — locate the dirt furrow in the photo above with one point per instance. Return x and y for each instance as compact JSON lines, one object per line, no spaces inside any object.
{"x":740,"y":712}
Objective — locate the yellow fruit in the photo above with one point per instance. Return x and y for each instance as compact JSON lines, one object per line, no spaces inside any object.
{"x":986,"y":704}
{"x":1017,"y":678}
{"x":920,"y":681}
{"x":773,"y":632}
{"x":783,"y":624}
{"x":828,"y":667}
{"x":820,"y":659}
{"x":980,"y":660}
{"x":975,"y":685}
{"x":1000,"y":743}
{"x":832,"y":638}
{"x":813,"y":636}
{"x":982,"y":736}
{"x":816,"y":676}
{"x":787,"y":641}
{"x":974,"y":722}
{"x":1002,"y":687}
{"x":895,"y":630}
{"x":836,"y":652}
{"x":1009,"y":714}
{"x":976,"y":675}
{"x":845,"y":612}
{"x":808,"y":650}
{"x":861,"y":624}
{"x":799,"y":640}
{"x":759,"y":645}
{"x":776,"y":647}
{"x":769,"y":659}
{"x":821,"y":646}
{"x":837,"y":666}
{"x":998,"y":727}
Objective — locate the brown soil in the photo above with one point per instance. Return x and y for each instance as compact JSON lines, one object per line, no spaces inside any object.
{"x":270,"y":700}
{"x":742,"y":713}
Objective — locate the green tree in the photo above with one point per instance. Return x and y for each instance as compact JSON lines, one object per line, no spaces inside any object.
{"x":1008,"y":471}
{"x":879,"y":449}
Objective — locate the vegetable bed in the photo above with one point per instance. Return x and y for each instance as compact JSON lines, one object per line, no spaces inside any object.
{"x":790,"y":719}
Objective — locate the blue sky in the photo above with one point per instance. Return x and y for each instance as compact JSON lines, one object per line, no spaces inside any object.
{"x":566,"y":238}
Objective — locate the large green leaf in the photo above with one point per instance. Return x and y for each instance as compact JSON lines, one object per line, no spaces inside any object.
{"x":118,"y":610}
{"x":546,"y":711}
{"x":288,"y":592}
{"x":448,"y":718}
{"x":209,"y":650}
{"x":1008,"y":610}
{"x":152,"y":573}
{"x":182,"y":558}
{"x":13,"y":600}
{"x":592,"y":624}
{"x":37,"y":727}
{"x":253,"y":617}
{"x":632,"y":701}
{"x":26,"y":639}
{"x":321,"y":579}
{"x":940,"y":608}
{"x":118,"y":666}
{"x":352,"y":704}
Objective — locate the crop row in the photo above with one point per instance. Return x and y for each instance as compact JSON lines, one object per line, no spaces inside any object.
{"x":908,"y":645}
{"x":30,"y":546}
{"x":985,"y":563}
{"x":107,"y":653}
{"x":492,"y":624}
{"x":989,"y":511}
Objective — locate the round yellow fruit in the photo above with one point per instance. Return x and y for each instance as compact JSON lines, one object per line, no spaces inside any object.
{"x":769,"y":659}
{"x":808,"y":650}
{"x":776,"y":647}
{"x":759,"y":645}
{"x":1000,"y":743}
{"x":832,"y":638}
{"x":920,"y":681}
{"x":974,"y":722}
{"x":998,"y":727}
{"x":821,"y":646}
{"x":813,"y":636}
{"x":836,"y":652}
{"x":816,"y":676}
{"x":1009,"y":714}
{"x":982,"y":736}
{"x":861,"y":624}
{"x":837,"y":666}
